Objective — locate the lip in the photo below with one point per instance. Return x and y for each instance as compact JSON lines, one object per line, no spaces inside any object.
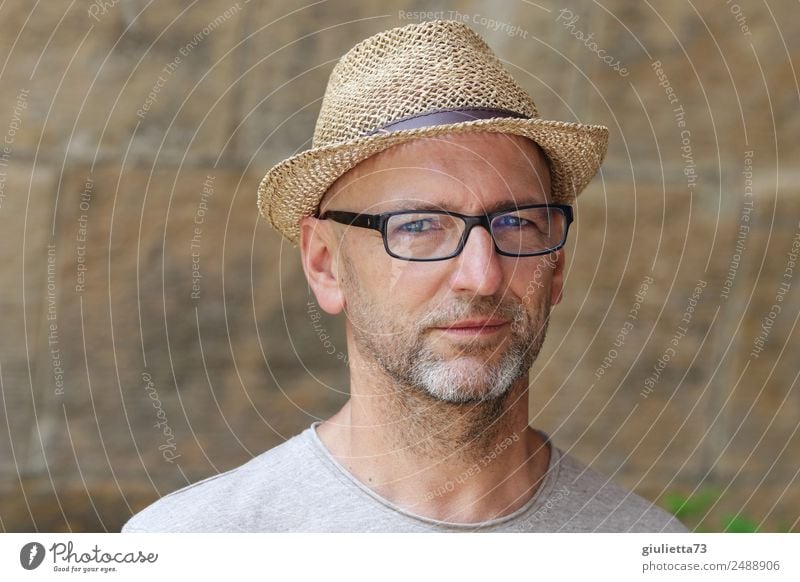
{"x":475,"y":326}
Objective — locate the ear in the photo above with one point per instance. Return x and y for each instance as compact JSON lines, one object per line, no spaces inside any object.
{"x":318,"y":255}
{"x":557,"y":279}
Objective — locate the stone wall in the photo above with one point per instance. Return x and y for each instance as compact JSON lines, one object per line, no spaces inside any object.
{"x":155,"y":332}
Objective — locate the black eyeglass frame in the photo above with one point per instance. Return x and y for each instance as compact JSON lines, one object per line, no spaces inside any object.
{"x":379,"y":221}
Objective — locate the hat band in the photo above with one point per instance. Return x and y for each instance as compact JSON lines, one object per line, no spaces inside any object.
{"x":445,"y":117}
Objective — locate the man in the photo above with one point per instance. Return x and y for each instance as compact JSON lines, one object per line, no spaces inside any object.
{"x":432,"y":210}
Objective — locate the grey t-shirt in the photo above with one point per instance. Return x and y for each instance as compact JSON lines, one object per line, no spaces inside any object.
{"x":299,"y":486}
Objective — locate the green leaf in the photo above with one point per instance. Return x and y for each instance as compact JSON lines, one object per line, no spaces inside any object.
{"x":684,"y":507}
{"x":740,"y":524}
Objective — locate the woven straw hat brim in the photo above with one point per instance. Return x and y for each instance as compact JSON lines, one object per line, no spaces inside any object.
{"x":293,"y":188}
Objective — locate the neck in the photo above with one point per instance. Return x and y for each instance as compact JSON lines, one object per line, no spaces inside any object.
{"x":466,"y":462}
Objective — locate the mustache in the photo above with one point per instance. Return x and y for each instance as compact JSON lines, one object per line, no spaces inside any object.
{"x":475,"y":308}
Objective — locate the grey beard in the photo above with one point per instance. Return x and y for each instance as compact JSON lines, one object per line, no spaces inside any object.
{"x":442,"y":411}
{"x":417,"y":367}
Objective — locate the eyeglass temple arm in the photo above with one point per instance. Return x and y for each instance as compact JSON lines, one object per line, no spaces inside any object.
{"x":351,"y":218}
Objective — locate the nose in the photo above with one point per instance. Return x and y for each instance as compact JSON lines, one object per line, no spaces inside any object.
{"x":477,"y":268}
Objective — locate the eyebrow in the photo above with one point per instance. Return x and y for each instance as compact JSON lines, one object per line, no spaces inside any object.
{"x":502,"y":205}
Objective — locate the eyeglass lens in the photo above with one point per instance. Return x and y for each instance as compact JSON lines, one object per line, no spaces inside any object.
{"x":428,"y":235}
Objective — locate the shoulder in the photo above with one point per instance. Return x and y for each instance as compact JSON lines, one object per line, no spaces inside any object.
{"x":600,"y":504}
{"x":234,"y":500}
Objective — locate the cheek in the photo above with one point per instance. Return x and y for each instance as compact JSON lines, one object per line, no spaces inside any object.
{"x":530,"y":280}
{"x":409,"y":283}
{"x":388,"y":285}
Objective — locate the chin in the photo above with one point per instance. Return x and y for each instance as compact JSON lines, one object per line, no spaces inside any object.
{"x":458,"y":383}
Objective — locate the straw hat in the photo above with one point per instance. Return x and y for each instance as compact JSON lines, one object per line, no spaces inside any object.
{"x":420,"y":80}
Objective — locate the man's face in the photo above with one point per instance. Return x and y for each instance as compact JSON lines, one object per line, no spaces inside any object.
{"x":399,"y":311}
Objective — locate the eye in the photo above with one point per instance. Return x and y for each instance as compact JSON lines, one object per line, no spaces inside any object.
{"x":512,"y":221}
{"x":419,"y":225}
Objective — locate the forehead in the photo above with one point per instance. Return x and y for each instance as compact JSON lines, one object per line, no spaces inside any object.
{"x":476,"y":172}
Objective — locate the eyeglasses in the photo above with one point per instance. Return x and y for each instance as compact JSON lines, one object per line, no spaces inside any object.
{"x":435,"y":235}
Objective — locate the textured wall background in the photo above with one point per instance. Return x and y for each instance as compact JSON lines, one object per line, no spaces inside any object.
{"x":124,"y":123}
